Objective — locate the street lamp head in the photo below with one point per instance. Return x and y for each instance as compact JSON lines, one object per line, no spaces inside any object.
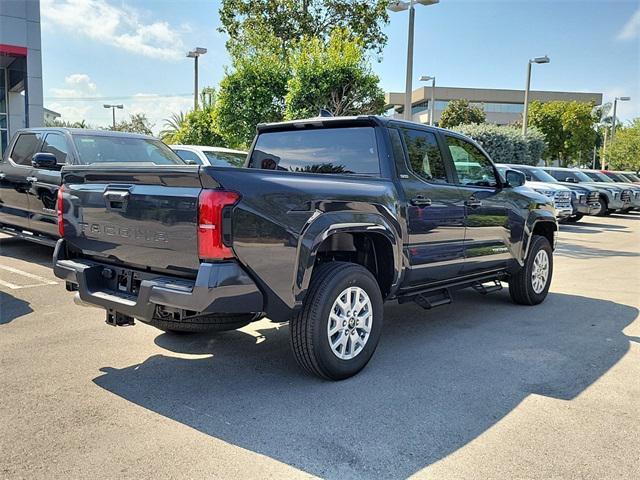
{"x":400,"y":6}
{"x":119,"y":106}
{"x":544,"y":59}
{"x":623,"y":99}
{"x":192,"y":54}
{"x":201,"y":51}
{"x":426,"y":78}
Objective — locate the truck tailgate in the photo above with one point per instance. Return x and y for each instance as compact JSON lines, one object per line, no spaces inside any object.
{"x":144,"y":217}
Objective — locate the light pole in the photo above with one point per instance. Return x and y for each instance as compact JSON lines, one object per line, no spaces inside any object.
{"x":426,"y":78}
{"x":400,"y":6}
{"x":195,"y":53}
{"x":113,"y":111}
{"x":615,"y":112}
{"x":525,"y":114}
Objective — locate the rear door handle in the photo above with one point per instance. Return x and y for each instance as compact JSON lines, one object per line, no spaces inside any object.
{"x":32,"y":179}
{"x":420,"y":201}
{"x":473,"y":202}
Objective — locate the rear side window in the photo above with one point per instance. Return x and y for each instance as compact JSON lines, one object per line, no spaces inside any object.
{"x":424,"y":154}
{"x":25,"y":147}
{"x":188,"y":156}
{"x":350,"y":150}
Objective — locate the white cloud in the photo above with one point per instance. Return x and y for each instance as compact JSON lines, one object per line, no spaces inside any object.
{"x":631,"y":29}
{"x":79,"y":99}
{"x":118,"y":26}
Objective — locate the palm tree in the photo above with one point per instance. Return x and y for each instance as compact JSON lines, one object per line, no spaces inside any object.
{"x":172,"y":126}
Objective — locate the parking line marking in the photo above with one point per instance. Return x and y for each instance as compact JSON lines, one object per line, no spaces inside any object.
{"x":42,"y":280}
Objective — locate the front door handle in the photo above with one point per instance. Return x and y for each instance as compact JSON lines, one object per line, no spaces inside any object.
{"x":31,"y":179}
{"x":420,"y":201}
{"x":473,"y":202}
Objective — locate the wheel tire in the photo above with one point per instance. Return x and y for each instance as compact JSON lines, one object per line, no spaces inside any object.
{"x":604,"y":207}
{"x":205,"y":323}
{"x":521,"y":284}
{"x":574,"y":218}
{"x":309,"y":328}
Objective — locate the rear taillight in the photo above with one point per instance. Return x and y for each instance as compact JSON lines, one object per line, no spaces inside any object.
{"x":212,"y":218}
{"x":61,"y":211}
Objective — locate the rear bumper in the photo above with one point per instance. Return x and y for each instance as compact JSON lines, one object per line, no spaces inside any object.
{"x":218,"y":288}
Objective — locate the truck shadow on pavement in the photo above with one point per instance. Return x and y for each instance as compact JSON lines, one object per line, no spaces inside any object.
{"x":437,"y":381}
{"x":12,"y":307}
{"x":27,"y":251}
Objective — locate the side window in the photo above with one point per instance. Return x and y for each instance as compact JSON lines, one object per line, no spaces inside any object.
{"x":425,"y":158}
{"x":56,"y":144}
{"x":186,"y":155}
{"x":25,"y":147}
{"x":472,"y":166}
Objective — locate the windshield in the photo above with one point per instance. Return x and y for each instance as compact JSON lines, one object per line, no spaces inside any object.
{"x":615,"y":177}
{"x":581,"y":176}
{"x":225,"y":159}
{"x":632,"y":178}
{"x":116,"y":149}
{"x":598,"y":177}
{"x":537,"y":174}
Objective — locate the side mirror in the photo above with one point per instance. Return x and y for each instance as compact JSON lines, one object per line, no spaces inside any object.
{"x":46,"y":161}
{"x":514,"y":178}
{"x":570,"y":180}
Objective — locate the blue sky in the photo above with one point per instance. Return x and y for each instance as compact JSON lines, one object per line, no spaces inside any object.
{"x":132,"y":51}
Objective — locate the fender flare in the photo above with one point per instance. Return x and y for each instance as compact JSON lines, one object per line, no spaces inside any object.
{"x":323,"y":225}
{"x":539,"y":216}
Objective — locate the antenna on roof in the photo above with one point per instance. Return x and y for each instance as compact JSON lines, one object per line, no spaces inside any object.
{"x":325,"y":113}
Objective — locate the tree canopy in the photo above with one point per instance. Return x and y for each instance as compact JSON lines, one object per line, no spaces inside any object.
{"x":251,"y":92}
{"x":460,"y":112}
{"x":137,"y":123}
{"x":568,"y":128}
{"x":624,"y":152}
{"x":335,"y":76}
{"x":246,"y":21}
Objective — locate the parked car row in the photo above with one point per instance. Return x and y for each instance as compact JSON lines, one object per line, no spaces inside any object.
{"x":327,"y":219}
{"x":591,"y":192}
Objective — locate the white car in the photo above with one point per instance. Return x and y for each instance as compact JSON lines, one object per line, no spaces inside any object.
{"x":214,"y":156}
{"x":560,"y":194}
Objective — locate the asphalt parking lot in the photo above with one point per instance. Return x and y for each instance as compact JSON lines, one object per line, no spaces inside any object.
{"x":481,"y":388}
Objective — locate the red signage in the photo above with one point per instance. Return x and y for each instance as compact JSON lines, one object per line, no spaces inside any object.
{"x":13,"y":50}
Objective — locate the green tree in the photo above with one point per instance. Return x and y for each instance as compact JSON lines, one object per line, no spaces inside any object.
{"x":505,"y":144}
{"x":252,"y":91}
{"x":137,"y":123}
{"x":335,"y":75}
{"x":172,"y":126}
{"x":247,"y":21}
{"x":624,"y":152}
{"x":65,"y":124}
{"x":460,"y":112}
{"x":568,"y":128}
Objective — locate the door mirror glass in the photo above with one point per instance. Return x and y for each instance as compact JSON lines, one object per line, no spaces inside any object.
{"x":45,"y":161}
{"x":515,"y":178}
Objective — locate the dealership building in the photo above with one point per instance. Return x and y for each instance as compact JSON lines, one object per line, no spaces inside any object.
{"x":20,"y":67}
{"x":502,"y":107}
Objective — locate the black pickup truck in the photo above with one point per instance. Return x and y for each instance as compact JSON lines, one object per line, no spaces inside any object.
{"x":30,"y":172}
{"x":330,"y":218}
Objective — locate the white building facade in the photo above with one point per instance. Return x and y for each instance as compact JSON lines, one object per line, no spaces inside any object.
{"x":21,"y":97}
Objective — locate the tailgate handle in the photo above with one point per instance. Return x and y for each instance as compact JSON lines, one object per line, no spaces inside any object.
{"x":116,"y":200}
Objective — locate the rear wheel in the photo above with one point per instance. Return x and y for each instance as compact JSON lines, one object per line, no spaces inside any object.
{"x":204,"y":323}
{"x":530,"y":285}
{"x":336,"y":332}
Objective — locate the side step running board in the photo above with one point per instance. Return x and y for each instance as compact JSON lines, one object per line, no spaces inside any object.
{"x":428,"y":300}
{"x":483,"y":289}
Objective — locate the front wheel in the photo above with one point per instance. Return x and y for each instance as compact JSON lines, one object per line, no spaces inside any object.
{"x":337,"y":330}
{"x":530,"y":285}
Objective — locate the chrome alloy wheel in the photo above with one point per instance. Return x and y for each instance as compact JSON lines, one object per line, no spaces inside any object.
{"x":350,"y":322}
{"x":540,"y":271}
